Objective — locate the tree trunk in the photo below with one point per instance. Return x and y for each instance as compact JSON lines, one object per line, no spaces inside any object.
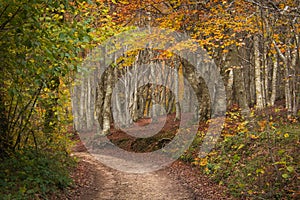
{"x":107,"y":102}
{"x":239,"y":84}
{"x":293,"y":81}
{"x":89,"y":104}
{"x":229,"y":88}
{"x":274,"y":81}
{"x":287,"y":92}
{"x":177,"y":93}
{"x":257,"y":67}
{"x":134,"y":97}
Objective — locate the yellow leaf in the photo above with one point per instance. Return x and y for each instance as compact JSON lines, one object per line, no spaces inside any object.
{"x":203,"y":162}
{"x":195,"y":163}
{"x":254,"y":137}
{"x":262,"y":125}
{"x":286,"y":135}
{"x":241,"y":146}
{"x":281,"y":6}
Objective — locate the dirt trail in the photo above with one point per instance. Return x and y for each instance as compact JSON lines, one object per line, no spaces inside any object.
{"x":113,"y":184}
{"x":110,"y":184}
{"x":94,"y":180}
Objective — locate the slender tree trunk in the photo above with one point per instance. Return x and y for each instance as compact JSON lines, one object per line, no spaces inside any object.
{"x":165,"y":77}
{"x":293,"y":81}
{"x":177,"y":93}
{"x":264,"y":65}
{"x":100,"y":95}
{"x":75,"y":108}
{"x":118,"y":112}
{"x":287,"y":92}
{"x":127,"y":86}
{"x":265,"y":88}
{"x":88,"y":108}
{"x":153,"y":88}
{"x":229,"y":87}
{"x":107,"y":102}
{"x":119,"y":121}
{"x":227,"y":74}
{"x":82,"y":113}
{"x":297,"y":72}
{"x":274,"y":81}
{"x":257,"y":67}
{"x":134,"y":107}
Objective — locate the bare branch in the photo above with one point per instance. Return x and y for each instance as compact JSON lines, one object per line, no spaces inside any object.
{"x":279,"y":52}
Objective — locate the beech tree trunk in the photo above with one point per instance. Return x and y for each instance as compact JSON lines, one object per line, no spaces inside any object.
{"x":107,"y":103}
{"x":287,"y":92}
{"x":239,"y":91}
{"x":257,"y":67}
{"x":274,"y":81}
{"x":177,"y":103}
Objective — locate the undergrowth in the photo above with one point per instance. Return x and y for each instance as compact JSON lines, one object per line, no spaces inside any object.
{"x":32,"y":174}
{"x":256,"y":158}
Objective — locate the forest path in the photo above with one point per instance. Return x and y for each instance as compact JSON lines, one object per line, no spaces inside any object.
{"x":113,"y":184}
{"x":110,"y":184}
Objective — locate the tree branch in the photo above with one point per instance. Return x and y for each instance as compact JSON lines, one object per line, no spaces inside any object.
{"x":4,"y":10}
{"x":279,"y":52}
{"x":8,"y":20}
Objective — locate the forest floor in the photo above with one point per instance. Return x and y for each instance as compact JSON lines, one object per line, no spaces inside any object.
{"x":94,"y":180}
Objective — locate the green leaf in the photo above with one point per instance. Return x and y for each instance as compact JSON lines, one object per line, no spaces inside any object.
{"x":290,"y":168}
{"x":260,"y":171}
{"x":62,"y":36}
{"x":280,"y":163}
{"x":285,"y":176}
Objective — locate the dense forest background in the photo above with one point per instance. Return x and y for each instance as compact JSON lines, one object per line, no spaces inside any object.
{"x":254,"y":44}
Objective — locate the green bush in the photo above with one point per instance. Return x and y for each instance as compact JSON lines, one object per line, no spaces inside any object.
{"x":31,"y":174}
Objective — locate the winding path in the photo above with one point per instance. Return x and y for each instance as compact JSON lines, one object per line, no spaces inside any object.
{"x":110,"y":184}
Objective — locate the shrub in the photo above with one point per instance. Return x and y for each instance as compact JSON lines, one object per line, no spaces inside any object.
{"x":30,"y":174}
